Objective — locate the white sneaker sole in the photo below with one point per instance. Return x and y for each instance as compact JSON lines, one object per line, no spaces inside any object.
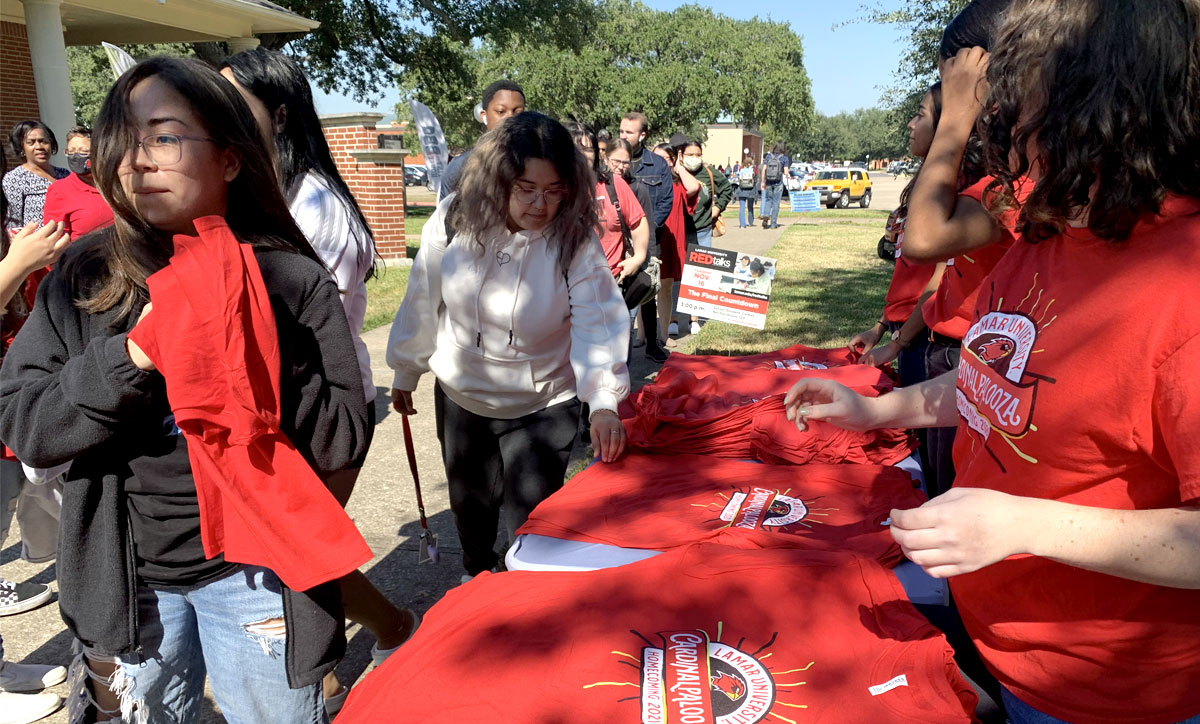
{"x":28,"y":604}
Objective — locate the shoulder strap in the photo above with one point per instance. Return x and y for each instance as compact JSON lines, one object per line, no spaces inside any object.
{"x":626,"y":239}
{"x":711,"y":182}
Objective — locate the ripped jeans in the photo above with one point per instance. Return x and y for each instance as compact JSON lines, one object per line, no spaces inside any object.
{"x":230,"y":629}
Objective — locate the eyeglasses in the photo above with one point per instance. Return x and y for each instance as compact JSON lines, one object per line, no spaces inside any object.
{"x":528,"y":196}
{"x":616,"y":162}
{"x":164,"y":149}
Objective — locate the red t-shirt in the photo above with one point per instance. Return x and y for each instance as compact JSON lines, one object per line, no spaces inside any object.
{"x":948,"y":311}
{"x":79,"y":206}
{"x":908,"y":282}
{"x":12,"y":324}
{"x":610,"y":225}
{"x":658,"y":502}
{"x":1078,"y":383}
{"x":673,"y":235}
{"x":790,"y":358}
{"x":260,"y":501}
{"x":705,"y":634}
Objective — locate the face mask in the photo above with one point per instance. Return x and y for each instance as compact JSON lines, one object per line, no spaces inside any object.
{"x":692,"y":163}
{"x":79,"y":163}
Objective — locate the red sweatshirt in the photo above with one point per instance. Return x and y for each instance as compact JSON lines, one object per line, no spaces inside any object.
{"x":705,"y":634}
{"x":658,"y":502}
{"x":212,"y":336}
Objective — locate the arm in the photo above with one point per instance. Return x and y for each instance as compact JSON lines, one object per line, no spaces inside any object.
{"x":62,"y":394}
{"x":639,"y":230}
{"x":413,"y":337}
{"x":664,"y":196}
{"x":691,"y":187}
{"x":323,"y":412}
{"x":723,"y":193}
{"x":940,"y":223}
{"x":30,"y":249}
{"x":334,"y":234}
{"x":914,"y":325}
{"x":929,"y":404}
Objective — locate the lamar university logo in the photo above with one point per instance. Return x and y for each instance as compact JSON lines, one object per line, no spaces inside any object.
{"x":764,"y":508}
{"x":686,"y":678}
{"x":995,"y":392}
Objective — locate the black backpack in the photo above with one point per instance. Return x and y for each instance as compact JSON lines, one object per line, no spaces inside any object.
{"x":773,"y":172}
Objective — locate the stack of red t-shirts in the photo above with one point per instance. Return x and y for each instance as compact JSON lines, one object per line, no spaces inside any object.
{"x":795,"y":357}
{"x":716,"y":414}
{"x":775,"y":439}
{"x":660,"y":502}
{"x":705,"y":634}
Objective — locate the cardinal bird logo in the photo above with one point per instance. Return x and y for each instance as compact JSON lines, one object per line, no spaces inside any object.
{"x":995,"y":350}
{"x":729,"y":685}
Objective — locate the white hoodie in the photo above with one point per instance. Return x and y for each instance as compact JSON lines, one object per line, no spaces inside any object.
{"x":503,"y":331}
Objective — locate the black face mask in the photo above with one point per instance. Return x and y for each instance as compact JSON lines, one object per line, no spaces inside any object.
{"x":79,"y":163}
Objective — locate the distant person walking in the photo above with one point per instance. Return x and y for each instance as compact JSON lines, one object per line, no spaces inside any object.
{"x":746,"y":191}
{"x":774,"y":171}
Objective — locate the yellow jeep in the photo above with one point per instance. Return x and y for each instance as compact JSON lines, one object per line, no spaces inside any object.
{"x":840,"y":186}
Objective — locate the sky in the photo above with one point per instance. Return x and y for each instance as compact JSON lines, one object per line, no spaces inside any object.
{"x":849,"y":67}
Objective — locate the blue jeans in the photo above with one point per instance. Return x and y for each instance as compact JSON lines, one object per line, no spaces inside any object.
{"x":911,"y":362}
{"x":772,"y":195}
{"x":1021,"y":713}
{"x":745,"y":205}
{"x":230,"y":629}
{"x":704,"y":236}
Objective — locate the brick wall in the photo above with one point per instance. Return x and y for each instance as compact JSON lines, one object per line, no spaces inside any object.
{"x":376,"y":178}
{"x":18,"y":97}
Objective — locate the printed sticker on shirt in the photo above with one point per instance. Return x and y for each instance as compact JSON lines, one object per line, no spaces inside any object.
{"x":798,"y":364}
{"x":895,"y":683}
{"x":765,"y":509}
{"x":687,"y":677}
{"x":995,"y":390}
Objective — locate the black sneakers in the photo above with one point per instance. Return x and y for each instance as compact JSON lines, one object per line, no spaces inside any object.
{"x":20,"y":597}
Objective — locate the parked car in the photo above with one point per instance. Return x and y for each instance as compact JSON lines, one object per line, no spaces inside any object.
{"x":841,"y":186}
{"x":415,"y":176}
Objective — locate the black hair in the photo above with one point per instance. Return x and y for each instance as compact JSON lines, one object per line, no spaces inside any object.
{"x":500,"y":85}
{"x":301,"y":147}
{"x":757,"y":268}
{"x":744,"y":258}
{"x":975,"y":26}
{"x":16,"y":139}
{"x":79,"y":132}
{"x":604,"y":135}
{"x":580,"y":131}
{"x":974,"y":146}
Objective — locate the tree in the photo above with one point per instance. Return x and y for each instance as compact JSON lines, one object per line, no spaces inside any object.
{"x":683,"y":69}
{"x":92,"y":76}
{"x":866,"y":132}
{"x":924,"y":21}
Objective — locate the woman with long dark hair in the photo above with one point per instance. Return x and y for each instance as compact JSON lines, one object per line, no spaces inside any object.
{"x":143,"y":584}
{"x":519,"y":319}
{"x":278,"y":94}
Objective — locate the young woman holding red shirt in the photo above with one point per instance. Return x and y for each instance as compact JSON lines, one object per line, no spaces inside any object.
{"x":1072,"y":533}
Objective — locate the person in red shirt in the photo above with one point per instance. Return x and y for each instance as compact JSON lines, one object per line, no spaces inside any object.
{"x":75,"y":201}
{"x":673,"y":239}
{"x":912,"y":282}
{"x":1073,"y":529}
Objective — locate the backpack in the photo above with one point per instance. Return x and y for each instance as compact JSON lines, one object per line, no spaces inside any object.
{"x":773,"y":171}
{"x":745,"y":177}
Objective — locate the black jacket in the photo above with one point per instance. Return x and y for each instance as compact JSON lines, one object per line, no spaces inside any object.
{"x":68,"y":391}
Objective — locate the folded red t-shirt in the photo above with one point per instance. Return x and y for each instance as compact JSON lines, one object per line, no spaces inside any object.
{"x":775,"y":439}
{"x":659,"y":502}
{"x":212,"y":335}
{"x":794,"y":357}
{"x":705,"y":634}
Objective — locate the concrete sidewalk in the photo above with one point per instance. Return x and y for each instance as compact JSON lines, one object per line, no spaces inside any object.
{"x":383,"y":506}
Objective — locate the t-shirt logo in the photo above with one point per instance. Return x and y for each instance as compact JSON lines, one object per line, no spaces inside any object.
{"x":687,"y":677}
{"x":798,"y":364}
{"x":995,"y":391}
{"x":761,"y":508}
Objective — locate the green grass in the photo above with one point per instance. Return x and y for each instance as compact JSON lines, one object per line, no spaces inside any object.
{"x":834,"y":214}
{"x":414,"y":220}
{"x":830,"y":286}
{"x":384,"y":294}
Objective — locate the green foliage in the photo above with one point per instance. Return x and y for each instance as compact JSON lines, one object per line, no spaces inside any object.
{"x":852,"y":137}
{"x":682,"y":68}
{"x":92,"y":76}
{"x":924,"y":21}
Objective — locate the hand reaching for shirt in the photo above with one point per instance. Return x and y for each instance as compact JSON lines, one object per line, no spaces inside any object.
{"x":608,"y":435}
{"x":960,"y":531}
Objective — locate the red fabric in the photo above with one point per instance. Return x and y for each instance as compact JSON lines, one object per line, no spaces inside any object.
{"x":775,"y":439}
{"x":79,"y":206}
{"x":702,"y":634}
{"x":794,"y":357}
{"x":715,"y":415}
{"x":659,"y":502}
{"x":610,"y":225}
{"x":1078,"y":383}
{"x":672,"y":237}
{"x":908,"y":282}
{"x":212,"y":336}
{"x":12,"y":325}
{"x":950,"y":309}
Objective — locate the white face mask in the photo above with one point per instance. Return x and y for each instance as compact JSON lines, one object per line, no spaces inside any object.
{"x":692,"y":163}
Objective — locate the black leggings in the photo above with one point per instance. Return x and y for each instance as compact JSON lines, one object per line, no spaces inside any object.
{"x":941,"y":356}
{"x":489,"y":461}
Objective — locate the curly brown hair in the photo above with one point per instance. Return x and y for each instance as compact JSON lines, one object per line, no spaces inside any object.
{"x":480,"y":208}
{"x":1103,"y":97}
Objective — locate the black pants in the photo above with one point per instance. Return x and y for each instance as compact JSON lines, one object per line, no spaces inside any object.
{"x":940,"y":357}
{"x":489,"y":462}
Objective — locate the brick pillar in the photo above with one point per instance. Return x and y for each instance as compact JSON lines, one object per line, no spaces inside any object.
{"x":375,"y":176}
{"x":18,"y":95}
